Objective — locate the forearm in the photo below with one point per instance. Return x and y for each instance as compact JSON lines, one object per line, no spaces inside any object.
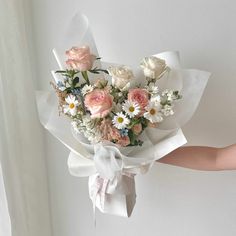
{"x":226,"y":158}
{"x":203,"y":158}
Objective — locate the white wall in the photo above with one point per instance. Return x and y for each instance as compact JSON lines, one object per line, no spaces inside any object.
{"x":171,"y":201}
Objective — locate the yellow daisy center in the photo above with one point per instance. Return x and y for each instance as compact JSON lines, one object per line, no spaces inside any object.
{"x":72,"y":105}
{"x":120,"y":119}
{"x":152,"y":111}
{"x":131,"y":109}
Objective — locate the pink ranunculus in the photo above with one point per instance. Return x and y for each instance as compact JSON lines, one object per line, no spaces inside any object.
{"x":115,"y":134}
{"x":123,"y":141}
{"x":140,"y":96}
{"x":99,"y":103}
{"x":80,"y":58}
{"x":137,"y":129}
{"x":108,"y":131}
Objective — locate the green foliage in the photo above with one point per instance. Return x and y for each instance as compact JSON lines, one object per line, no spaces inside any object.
{"x":68,"y":73}
{"x":97,"y":71}
{"x":177,"y":95}
{"x":75,"y":81}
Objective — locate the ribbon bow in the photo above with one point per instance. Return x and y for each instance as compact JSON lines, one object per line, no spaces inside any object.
{"x":111,"y":186}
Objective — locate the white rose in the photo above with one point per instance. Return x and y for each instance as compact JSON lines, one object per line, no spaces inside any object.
{"x":153,"y":67}
{"x":121,"y":76}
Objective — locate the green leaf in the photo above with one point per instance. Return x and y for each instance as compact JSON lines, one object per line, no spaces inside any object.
{"x":94,"y":72}
{"x":85,"y":76}
{"x":60,"y":71}
{"x":132,"y":137}
{"x":75,"y":81}
{"x":105,"y":71}
{"x":97,"y":71}
{"x":133,"y":122}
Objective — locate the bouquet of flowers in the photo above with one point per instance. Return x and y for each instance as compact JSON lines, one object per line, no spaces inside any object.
{"x":112,"y":109}
{"x":116,"y":120}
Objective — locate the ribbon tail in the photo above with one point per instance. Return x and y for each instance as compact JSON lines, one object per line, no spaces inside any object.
{"x":116,"y":196}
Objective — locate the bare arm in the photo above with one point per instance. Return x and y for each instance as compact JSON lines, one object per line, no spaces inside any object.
{"x":203,"y":158}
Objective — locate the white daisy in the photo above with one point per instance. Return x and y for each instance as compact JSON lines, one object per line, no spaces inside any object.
{"x":87,"y":89}
{"x":120,"y":121}
{"x":153,"y":113}
{"x":131,"y":108}
{"x":71,"y":106}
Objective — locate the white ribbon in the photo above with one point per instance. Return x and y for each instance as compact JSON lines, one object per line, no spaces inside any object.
{"x":112,"y":187}
{"x":116,"y":196}
{"x":112,"y":169}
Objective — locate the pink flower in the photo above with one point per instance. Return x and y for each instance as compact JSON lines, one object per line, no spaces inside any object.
{"x":123,"y":141}
{"x":115,"y":134}
{"x":112,"y":134}
{"x":152,"y":125}
{"x":137,"y":129}
{"x":108,"y":131}
{"x":140,"y":96}
{"x":80,"y":58}
{"x":99,"y":103}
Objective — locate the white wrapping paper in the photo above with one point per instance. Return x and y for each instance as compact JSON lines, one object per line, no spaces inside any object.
{"x":112,"y":169}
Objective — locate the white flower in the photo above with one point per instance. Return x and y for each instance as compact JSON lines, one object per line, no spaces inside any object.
{"x":156,"y":99}
{"x":71,"y":106}
{"x":153,"y":113}
{"x":87,"y":127}
{"x":121,"y":76}
{"x":131,"y":108}
{"x":168,"y":94}
{"x":167,"y":110}
{"x":74,"y":125}
{"x":152,"y":88}
{"x":120,"y":121}
{"x":153,"y":67}
{"x":87,"y":89}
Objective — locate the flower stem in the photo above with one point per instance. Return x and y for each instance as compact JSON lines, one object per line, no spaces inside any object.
{"x":82,"y":103}
{"x":85,"y":76}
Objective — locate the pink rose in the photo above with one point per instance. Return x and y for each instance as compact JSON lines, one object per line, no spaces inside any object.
{"x":99,"y":103}
{"x":137,"y":129}
{"x":123,"y":141}
{"x":80,"y":58}
{"x":140,"y":96}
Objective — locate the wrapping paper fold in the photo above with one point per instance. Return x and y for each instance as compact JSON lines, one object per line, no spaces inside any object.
{"x":112,"y":169}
